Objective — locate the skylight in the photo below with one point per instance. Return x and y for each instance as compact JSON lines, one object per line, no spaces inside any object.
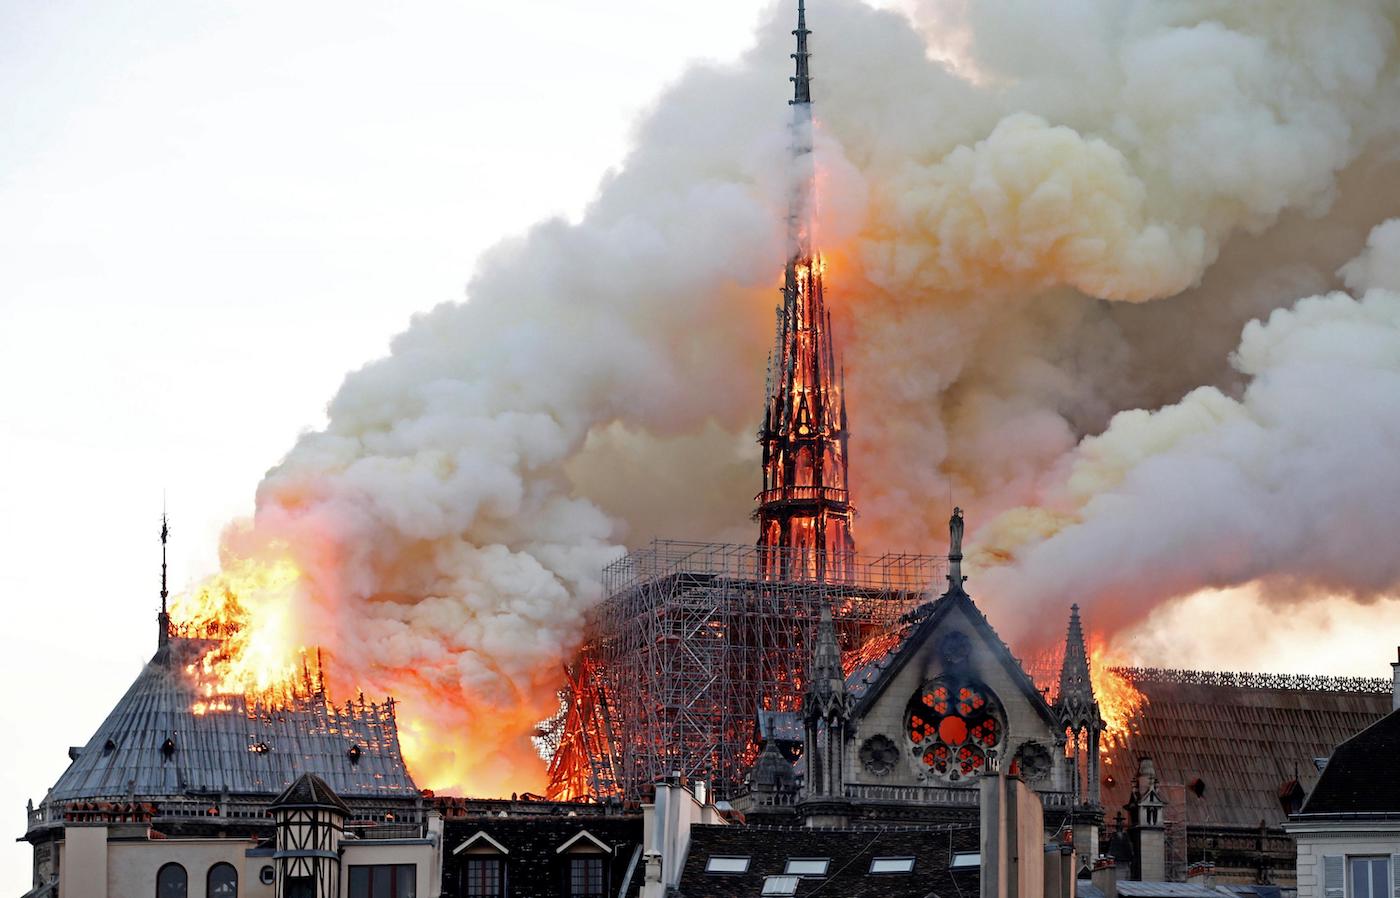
{"x":780,"y":885}
{"x":892,"y":865}
{"x":807,"y":866}
{"x":721,"y":864}
{"x":966,"y":860}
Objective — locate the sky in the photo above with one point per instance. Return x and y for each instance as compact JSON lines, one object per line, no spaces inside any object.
{"x":209,"y":213}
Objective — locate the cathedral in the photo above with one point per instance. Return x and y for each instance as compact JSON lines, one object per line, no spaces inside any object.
{"x":783,"y":718}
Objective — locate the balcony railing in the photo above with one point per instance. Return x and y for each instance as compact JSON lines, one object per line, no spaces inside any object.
{"x":802,"y":494}
{"x":372,"y":817}
{"x":941,"y":796}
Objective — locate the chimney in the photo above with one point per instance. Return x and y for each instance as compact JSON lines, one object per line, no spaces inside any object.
{"x":1105,"y":876}
{"x":1201,"y":873}
{"x":1395,"y":690}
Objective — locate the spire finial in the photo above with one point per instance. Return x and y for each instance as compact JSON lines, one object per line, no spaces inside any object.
{"x":163,"y":619}
{"x":164,"y":539}
{"x":955,"y":553}
{"x":802,"y":80}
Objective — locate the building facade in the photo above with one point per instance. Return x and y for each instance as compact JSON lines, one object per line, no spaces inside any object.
{"x":1348,"y":831}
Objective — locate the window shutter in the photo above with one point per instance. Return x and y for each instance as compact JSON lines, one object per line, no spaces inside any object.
{"x":1333,"y":877}
{"x":1395,"y":875}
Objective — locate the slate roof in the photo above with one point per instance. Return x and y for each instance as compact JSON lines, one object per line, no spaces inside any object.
{"x":1131,"y":889}
{"x":1242,"y":741}
{"x":153,"y":746}
{"x":780,"y":726}
{"x":850,"y":851}
{"x":534,"y":866}
{"x":1362,"y":775}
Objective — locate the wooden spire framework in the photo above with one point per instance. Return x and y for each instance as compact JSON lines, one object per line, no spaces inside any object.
{"x":804,"y":512}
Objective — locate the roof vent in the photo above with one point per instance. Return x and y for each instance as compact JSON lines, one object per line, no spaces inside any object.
{"x":354,"y":754}
{"x":108,"y":747}
{"x":167,"y":748}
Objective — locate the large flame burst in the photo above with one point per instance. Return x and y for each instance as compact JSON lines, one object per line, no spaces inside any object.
{"x":1119,"y":700}
{"x":244,"y":614}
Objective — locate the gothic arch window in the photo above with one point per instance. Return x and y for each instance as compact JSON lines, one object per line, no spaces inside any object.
{"x":832,"y":469}
{"x":223,"y":881}
{"x":952,"y":725}
{"x":172,"y":882}
{"x":803,"y":474}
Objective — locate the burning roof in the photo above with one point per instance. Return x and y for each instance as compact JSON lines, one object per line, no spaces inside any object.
{"x":165,"y":741}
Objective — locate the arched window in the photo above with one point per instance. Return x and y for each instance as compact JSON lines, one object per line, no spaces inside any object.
{"x":802,"y":468}
{"x":223,"y":881}
{"x":172,"y":882}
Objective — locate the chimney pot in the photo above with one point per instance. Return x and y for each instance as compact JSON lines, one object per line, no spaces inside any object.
{"x":1395,"y":690}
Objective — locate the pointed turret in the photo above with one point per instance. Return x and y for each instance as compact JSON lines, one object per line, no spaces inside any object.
{"x":1076,"y":702}
{"x":1078,"y":711}
{"x":826,"y":713}
{"x":804,"y":513}
{"x":826,"y":681}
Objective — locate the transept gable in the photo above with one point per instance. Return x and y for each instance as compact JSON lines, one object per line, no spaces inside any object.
{"x":943,"y":635}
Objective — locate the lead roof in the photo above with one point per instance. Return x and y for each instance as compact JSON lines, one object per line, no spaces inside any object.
{"x":154,"y":746}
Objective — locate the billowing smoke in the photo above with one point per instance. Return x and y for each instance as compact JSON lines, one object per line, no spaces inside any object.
{"x":1002,"y":187}
{"x":1290,"y":486}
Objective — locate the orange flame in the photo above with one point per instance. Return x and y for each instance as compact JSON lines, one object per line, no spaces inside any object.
{"x":1119,"y":700}
{"x":244,"y":612}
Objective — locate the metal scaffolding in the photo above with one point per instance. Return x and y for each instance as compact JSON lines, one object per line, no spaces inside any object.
{"x":690,"y":643}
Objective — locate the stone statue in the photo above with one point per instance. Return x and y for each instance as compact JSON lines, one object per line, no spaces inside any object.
{"x":955,"y":530}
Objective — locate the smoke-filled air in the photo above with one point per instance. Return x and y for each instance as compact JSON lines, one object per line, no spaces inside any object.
{"x":1112,"y":276}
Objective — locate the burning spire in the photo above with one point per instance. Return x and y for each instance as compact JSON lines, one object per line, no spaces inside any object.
{"x":804,"y":512}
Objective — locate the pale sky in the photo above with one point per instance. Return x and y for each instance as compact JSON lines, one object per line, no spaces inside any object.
{"x":209,"y":212}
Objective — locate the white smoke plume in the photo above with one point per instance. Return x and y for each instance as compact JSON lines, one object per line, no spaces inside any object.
{"x":997,"y":209}
{"x":1290,"y":486}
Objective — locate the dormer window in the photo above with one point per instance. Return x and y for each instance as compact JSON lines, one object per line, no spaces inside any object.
{"x":586,"y":877}
{"x":485,"y":866}
{"x":586,"y":872}
{"x":486,"y":877}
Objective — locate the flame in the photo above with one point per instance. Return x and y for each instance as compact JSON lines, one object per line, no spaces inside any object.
{"x":245,"y":614}
{"x":1120,"y":702}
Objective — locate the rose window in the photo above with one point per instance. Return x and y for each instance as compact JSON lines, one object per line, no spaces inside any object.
{"x":953,"y":725}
